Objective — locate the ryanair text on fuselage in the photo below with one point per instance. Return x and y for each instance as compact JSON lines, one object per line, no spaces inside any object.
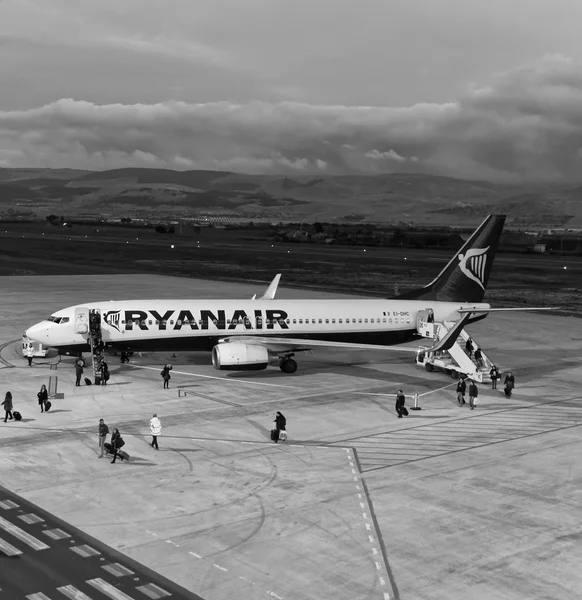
{"x":176,"y":320}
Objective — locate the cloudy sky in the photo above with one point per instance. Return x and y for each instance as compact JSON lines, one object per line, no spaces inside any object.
{"x":455,"y":87}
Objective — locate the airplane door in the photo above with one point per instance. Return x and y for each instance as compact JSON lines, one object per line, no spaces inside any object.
{"x":82,"y":320}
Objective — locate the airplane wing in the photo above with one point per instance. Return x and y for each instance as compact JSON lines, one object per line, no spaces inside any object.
{"x":285,"y":344}
{"x":271,"y":290}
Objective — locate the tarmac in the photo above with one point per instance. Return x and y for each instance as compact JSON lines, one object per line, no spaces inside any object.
{"x":447,"y":503}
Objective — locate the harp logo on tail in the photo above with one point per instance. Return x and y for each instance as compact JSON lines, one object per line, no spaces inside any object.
{"x":473,"y":264}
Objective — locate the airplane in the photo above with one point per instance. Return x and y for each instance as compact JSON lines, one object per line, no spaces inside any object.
{"x":253,"y":334}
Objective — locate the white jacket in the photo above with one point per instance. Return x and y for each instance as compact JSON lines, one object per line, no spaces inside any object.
{"x":155,"y":426}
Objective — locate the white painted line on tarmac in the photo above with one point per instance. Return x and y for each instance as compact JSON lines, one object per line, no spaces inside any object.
{"x":107,"y":589}
{"x":72,"y":593}
{"x":219,"y":567}
{"x":28,"y":539}
{"x":224,"y":379}
{"x":371,"y":539}
{"x":194,"y":554}
{"x":39,"y":596}
{"x":437,"y":390}
{"x":8,"y":549}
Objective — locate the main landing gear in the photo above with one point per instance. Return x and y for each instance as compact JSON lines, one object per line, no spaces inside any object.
{"x":287,"y":364}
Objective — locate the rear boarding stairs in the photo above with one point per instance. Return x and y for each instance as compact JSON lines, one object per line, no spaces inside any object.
{"x":454,"y":361}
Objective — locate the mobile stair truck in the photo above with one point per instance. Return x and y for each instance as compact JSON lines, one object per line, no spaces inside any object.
{"x":454,"y":361}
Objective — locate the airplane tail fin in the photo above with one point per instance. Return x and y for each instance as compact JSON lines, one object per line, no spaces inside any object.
{"x":465,"y":277}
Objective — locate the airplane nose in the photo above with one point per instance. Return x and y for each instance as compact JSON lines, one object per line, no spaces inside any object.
{"x":36,"y":333}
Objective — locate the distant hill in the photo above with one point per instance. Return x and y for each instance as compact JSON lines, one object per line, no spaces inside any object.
{"x":393,"y":198}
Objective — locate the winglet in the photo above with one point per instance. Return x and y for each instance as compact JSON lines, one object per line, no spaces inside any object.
{"x":271,"y":290}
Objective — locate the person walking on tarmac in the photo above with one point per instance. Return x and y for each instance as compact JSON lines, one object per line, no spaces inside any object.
{"x":155,"y":430}
{"x":494,"y":374}
{"x":79,"y":364}
{"x":104,"y":369}
{"x":116,"y":444}
{"x":473,"y":393}
{"x":461,"y":389}
{"x":29,"y":353}
{"x":7,"y":404}
{"x":399,"y":406}
{"x":166,"y":376}
{"x":103,"y":431}
{"x":509,"y":384}
{"x":280,"y":425}
{"x":42,"y":397}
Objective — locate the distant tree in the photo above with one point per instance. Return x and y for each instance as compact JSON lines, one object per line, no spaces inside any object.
{"x":160,"y":229}
{"x":125,"y":219}
{"x":52,"y":218}
{"x":318,"y":227}
{"x":171,"y":229}
{"x":62,"y":218}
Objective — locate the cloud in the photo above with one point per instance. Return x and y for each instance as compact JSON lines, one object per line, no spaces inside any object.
{"x":525,"y":125}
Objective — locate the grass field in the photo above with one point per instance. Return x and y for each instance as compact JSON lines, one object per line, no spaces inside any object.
{"x":516,"y":279}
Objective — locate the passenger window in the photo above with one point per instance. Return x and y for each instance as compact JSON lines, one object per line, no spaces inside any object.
{"x":359,"y":320}
{"x":333,"y":320}
{"x":288,"y":321}
{"x":365,"y":320}
{"x":123,"y":322}
{"x":164,"y":322}
{"x":215,"y":321}
{"x":321,"y":320}
{"x":150,"y":322}
{"x":301,"y":321}
{"x":228,"y":321}
{"x":408,"y":319}
{"x":281,"y":322}
{"x":340,"y":321}
{"x":327,"y":320}
{"x":294,"y":321}
{"x":178,"y":322}
{"x":247,"y":321}
{"x":384,"y":320}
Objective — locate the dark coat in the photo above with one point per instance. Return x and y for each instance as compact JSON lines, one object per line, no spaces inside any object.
{"x":7,"y":404}
{"x":103,"y":429}
{"x":509,"y":381}
{"x":116,"y":440}
{"x":473,"y":390}
{"x":494,"y":373}
{"x":400,"y":400}
{"x":462,"y":387}
{"x":280,"y":422}
{"x":42,"y":396}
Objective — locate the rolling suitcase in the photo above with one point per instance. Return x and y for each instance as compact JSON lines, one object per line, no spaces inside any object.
{"x":17,"y":416}
{"x":274,"y":435}
{"x":404,"y":411}
{"x":47,"y":405}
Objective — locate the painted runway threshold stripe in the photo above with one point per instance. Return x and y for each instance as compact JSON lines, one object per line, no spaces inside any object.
{"x":8,"y":549}
{"x":73,"y":593}
{"x":37,"y":596}
{"x":29,"y":540}
{"x":108,"y":590}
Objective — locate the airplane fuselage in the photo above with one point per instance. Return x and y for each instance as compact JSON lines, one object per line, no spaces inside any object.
{"x":170,"y":325}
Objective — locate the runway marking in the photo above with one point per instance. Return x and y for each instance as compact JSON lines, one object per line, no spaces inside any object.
{"x":85,"y":551}
{"x":31,"y":519}
{"x":56,"y":534}
{"x":117,"y":570}
{"x":28,"y":539}
{"x":107,"y":589}
{"x":38,"y":596}
{"x":219,"y":567}
{"x":8,"y":504}
{"x":194,"y":554}
{"x":227,"y":379}
{"x":72,"y":593}
{"x":8,"y":549}
{"x":153,"y":591}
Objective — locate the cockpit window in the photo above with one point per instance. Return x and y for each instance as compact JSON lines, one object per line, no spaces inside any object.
{"x":58,"y":320}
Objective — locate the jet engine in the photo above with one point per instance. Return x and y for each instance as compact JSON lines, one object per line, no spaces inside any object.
{"x":236,"y":356}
